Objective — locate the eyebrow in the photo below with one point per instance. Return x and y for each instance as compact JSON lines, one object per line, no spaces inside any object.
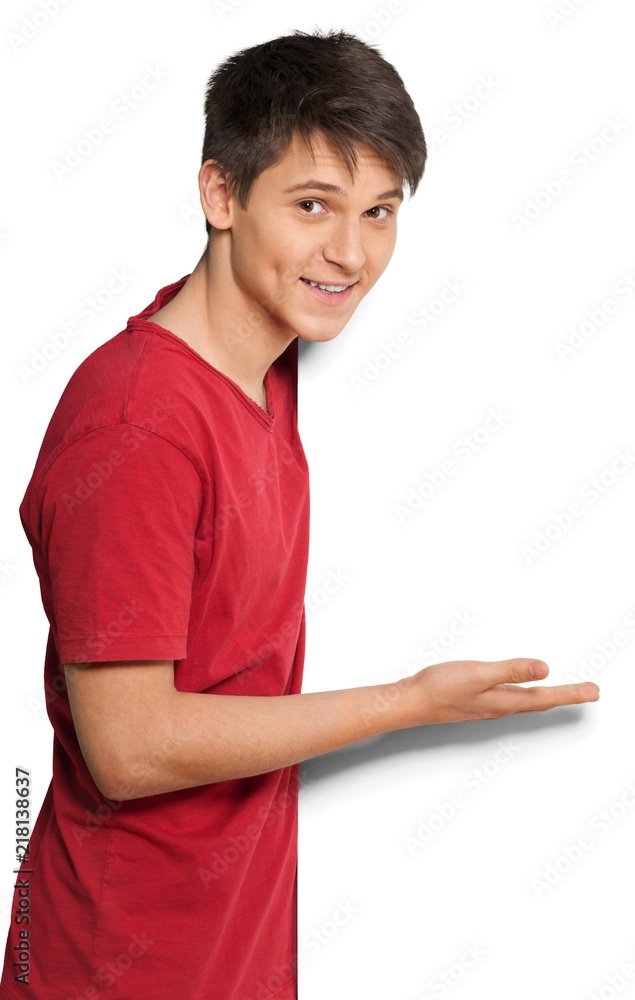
{"x":334,"y":189}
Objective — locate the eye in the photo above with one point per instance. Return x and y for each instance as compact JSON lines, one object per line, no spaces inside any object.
{"x":381,"y":208}
{"x":310,"y":201}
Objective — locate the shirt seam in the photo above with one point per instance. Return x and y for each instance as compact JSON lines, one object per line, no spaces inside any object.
{"x":126,"y":635}
{"x":135,"y":376}
{"x":115,"y":423}
{"x":132,"y":382}
{"x":107,"y":855}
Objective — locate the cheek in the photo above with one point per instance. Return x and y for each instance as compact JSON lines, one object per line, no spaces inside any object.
{"x":251,"y":249}
{"x":291,"y":258}
{"x":379,"y":255}
{"x":269,"y":257}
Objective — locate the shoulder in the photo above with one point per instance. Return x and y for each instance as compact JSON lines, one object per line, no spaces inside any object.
{"x":128,"y":390}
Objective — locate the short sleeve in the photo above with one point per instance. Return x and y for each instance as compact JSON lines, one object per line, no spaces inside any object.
{"x":118,"y":511}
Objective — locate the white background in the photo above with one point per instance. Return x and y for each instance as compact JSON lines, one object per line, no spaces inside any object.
{"x":378,"y":918}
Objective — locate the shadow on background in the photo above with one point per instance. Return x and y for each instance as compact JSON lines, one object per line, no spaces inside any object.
{"x":542,"y":733}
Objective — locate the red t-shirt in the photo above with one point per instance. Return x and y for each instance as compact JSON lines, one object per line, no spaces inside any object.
{"x":168,"y":515}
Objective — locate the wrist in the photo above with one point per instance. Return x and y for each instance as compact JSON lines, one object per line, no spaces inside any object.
{"x":385,"y":707}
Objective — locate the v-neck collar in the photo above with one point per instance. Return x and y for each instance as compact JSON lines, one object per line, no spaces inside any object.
{"x":144,"y":319}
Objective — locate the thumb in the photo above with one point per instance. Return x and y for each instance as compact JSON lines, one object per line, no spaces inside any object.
{"x":515,"y":671}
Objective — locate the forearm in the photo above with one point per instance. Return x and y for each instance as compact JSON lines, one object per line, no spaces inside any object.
{"x":203,"y":738}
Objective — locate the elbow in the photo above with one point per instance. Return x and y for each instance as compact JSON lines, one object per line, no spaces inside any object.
{"x":121,"y":782}
{"x":110,"y":785}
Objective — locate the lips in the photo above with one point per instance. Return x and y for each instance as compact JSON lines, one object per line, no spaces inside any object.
{"x":326,"y":286}
{"x":329,"y":298}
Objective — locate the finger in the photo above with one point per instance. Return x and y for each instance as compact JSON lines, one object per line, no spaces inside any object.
{"x":540,"y":699}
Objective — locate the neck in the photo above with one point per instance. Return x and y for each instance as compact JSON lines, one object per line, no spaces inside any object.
{"x":231,"y":331}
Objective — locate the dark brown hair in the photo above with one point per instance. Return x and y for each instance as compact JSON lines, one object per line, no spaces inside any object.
{"x":328,"y":83}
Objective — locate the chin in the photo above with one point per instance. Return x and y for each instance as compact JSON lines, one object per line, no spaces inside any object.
{"x":320,"y":332}
{"x":318,"y":336}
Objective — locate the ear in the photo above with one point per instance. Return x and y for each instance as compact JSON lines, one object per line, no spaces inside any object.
{"x":216,"y":201}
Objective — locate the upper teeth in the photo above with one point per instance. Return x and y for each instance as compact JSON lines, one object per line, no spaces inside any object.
{"x":327,"y":288}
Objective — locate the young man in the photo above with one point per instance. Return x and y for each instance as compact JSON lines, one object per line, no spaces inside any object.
{"x":168,"y":516}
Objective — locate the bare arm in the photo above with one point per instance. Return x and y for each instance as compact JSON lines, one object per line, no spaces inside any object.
{"x":140,"y":736}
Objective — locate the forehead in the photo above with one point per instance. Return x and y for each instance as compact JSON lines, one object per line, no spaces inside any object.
{"x":325,"y":161}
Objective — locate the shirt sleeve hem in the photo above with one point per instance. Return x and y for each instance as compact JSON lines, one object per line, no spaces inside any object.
{"x":98,"y":648}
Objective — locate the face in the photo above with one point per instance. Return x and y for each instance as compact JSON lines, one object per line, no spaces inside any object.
{"x":307,"y":223}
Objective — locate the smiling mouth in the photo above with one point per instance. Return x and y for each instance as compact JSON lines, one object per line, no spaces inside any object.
{"x":327,"y":287}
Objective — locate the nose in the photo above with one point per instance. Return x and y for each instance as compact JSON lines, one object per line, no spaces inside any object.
{"x":344,"y":245}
